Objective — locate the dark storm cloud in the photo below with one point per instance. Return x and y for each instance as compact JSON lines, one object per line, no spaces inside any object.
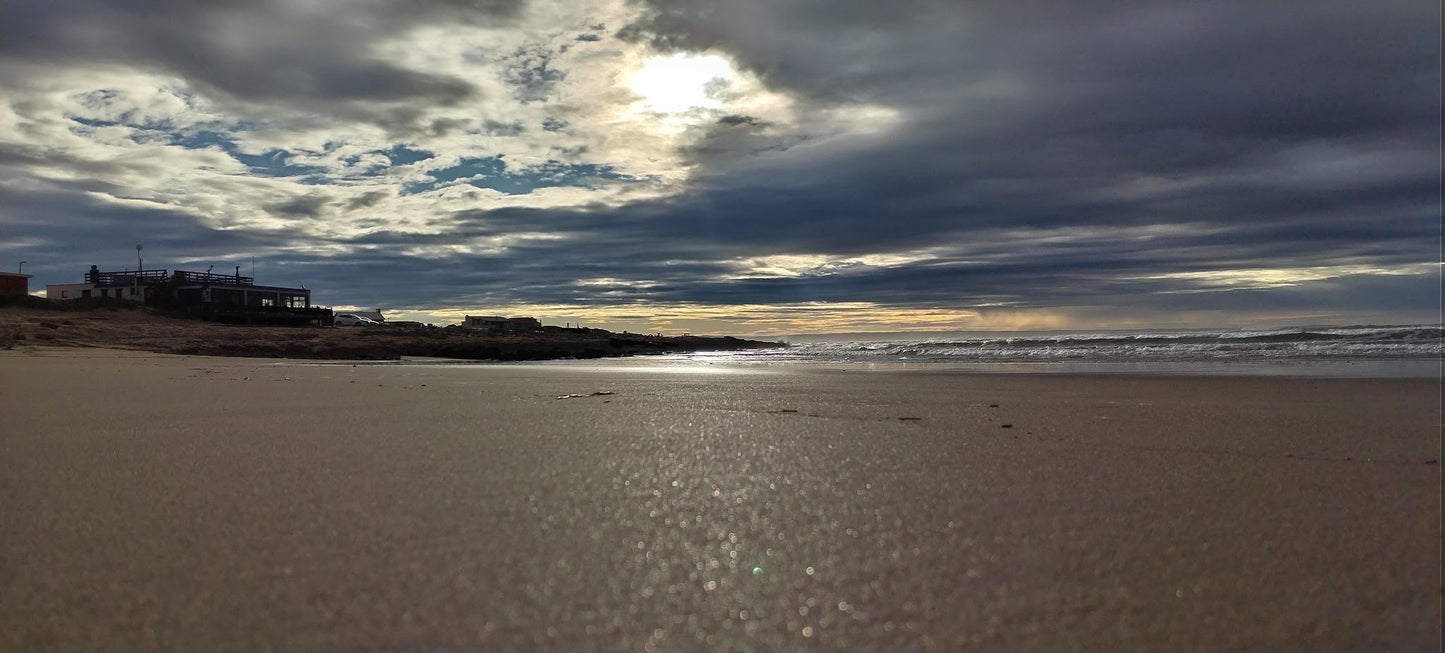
{"x":308,"y":206}
{"x":367,"y":199}
{"x":1126,"y":83}
{"x":77,"y":231}
{"x":494,"y":128}
{"x":1300,"y":67}
{"x":530,"y":72}
{"x":1267,"y":135}
{"x":998,"y":267}
{"x":248,"y":50}
{"x":736,"y":119}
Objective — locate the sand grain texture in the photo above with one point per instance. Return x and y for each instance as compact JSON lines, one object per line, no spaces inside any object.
{"x":165,"y":502}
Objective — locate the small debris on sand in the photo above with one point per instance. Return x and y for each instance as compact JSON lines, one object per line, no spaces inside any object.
{"x":599,"y":393}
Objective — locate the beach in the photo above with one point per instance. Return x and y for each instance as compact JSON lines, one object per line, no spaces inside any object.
{"x":167,"y":502}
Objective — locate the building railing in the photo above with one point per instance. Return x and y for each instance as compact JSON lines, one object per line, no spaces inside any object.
{"x":126,"y":278}
{"x":184,"y":277}
{"x":154,"y":277}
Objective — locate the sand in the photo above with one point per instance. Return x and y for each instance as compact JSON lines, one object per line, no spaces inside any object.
{"x":154,"y":502}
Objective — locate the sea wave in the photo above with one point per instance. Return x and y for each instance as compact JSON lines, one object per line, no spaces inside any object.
{"x":1369,"y":342}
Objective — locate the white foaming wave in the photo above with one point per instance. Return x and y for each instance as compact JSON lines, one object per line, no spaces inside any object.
{"x":1365,"y":342}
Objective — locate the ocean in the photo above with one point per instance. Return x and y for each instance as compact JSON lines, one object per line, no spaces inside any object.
{"x":1350,"y":351}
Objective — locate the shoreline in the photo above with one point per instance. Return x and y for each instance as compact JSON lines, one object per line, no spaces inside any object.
{"x":141,"y":329}
{"x":725,"y":360}
{"x":1391,"y":368}
{"x":1396,"y":368}
{"x":751,"y":359}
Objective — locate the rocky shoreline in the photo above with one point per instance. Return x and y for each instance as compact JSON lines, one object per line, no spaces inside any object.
{"x":142,"y":329}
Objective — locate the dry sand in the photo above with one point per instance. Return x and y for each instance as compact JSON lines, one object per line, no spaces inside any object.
{"x":152,"y":502}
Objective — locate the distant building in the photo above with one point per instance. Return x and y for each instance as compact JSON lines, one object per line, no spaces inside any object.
{"x":12,"y":284}
{"x":523,"y":324}
{"x":130,"y":286}
{"x":499,"y":324}
{"x":234,"y":290}
{"x":484,"y":322}
{"x":223,"y":297}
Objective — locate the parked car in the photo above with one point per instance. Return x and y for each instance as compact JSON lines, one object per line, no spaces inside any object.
{"x":347,"y":319}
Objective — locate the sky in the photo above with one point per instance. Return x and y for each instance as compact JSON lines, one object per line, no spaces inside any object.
{"x":749,"y":167}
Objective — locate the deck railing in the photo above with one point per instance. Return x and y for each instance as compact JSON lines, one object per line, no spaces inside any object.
{"x":184,"y":277}
{"x":146,"y":277}
{"x":154,"y":277}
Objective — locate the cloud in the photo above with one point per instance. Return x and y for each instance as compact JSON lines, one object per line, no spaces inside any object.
{"x":943,"y":162}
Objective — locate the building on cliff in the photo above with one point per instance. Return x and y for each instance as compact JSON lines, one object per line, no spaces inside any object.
{"x":498,"y":324}
{"x":221,"y":297}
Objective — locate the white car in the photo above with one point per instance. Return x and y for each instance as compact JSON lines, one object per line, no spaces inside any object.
{"x":347,"y":319}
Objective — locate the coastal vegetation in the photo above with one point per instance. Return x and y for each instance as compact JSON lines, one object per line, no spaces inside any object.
{"x":114,"y":324}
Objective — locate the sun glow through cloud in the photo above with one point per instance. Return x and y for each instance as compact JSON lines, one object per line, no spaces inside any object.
{"x":680,"y":82}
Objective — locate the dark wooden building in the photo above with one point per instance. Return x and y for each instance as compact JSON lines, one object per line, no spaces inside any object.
{"x":12,"y":284}
{"x":221,"y":297}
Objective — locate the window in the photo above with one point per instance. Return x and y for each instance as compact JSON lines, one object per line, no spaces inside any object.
{"x":65,"y":294}
{"x":85,"y":293}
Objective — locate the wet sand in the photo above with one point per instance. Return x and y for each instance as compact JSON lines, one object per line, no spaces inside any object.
{"x":168,"y":502}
